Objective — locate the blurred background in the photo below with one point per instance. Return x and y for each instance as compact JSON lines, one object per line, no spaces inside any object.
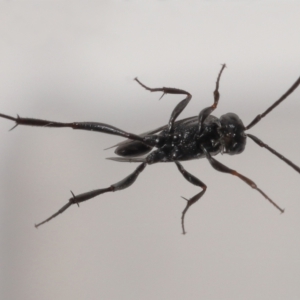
{"x":75,"y":61}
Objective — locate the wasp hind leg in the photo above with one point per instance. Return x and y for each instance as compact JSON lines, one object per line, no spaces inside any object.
{"x":123,"y":184}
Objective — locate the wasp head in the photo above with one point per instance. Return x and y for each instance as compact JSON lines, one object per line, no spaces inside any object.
{"x":233,"y":138}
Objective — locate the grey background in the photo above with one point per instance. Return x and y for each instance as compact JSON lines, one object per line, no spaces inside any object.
{"x":75,"y":61}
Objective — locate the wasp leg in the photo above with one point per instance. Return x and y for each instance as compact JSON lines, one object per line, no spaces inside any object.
{"x":179,"y":107}
{"x":222,"y":168}
{"x":204,"y":113}
{"x":193,"y":180}
{"x":123,"y":184}
{"x":90,"y":126}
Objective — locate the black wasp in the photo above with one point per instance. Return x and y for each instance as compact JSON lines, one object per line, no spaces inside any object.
{"x":201,"y":136}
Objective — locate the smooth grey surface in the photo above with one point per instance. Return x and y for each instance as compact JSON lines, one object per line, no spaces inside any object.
{"x":75,"y":61}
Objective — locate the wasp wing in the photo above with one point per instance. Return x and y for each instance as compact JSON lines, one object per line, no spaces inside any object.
{"x":129,"y":148}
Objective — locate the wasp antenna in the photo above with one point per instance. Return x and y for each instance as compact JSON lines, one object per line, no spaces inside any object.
{"x":280,"y":156}
{"x":276,"y":103}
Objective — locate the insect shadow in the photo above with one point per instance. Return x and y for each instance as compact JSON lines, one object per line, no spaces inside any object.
{"x":202,"y":136}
